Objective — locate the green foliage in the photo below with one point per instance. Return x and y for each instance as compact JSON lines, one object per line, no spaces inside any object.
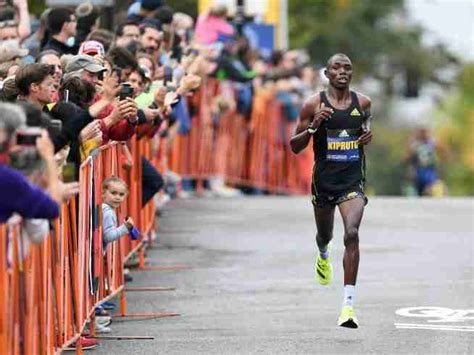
{"x":455,"y":132}
{"x":386,"y":171}
{"x":366,"y":30}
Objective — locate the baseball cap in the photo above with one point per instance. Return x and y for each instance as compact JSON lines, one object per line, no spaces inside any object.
{"x":92,"y":48}
{"x":83,"y":61}
{"x":8,"y":53}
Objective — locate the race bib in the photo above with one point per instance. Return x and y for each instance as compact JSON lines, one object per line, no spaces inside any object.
{"x":342,"y":145}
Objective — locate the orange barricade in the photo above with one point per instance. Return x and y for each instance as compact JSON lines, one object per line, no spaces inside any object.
{"x":253,"y":152}
{"x":52,"y":288}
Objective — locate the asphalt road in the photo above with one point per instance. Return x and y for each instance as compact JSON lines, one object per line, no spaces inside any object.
{"x":251,"y":289}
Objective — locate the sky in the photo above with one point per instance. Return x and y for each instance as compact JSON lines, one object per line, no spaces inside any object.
{"x":451,"y":21}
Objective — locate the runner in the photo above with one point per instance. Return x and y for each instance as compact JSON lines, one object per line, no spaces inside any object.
{"x":338,"y":120}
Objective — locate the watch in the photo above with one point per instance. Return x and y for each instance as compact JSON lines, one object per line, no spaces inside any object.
{"x":311,"y":130}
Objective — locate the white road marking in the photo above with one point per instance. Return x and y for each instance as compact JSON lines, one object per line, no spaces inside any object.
{"x":456,"y":328}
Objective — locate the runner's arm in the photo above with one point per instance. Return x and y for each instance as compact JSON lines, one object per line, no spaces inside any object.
{"x":301,"y":138}
{"x":366,"y":136}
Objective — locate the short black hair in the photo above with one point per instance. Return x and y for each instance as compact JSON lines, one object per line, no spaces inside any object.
{"x":328,"y":63}
{"x":145,"y":25}
{"x":31,"y":74}
{"x":122,"y":58}
{"x":119,"y":29}
{"x":57,"y":18}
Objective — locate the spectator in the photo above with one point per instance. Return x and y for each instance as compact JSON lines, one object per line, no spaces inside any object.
{"x":114,"y":192}
{"x":62,"y":27}
{"x":19,"y":195}
{"x":126,"y":33}
{"x":92,"y":48}
{"x":10,"y":53}
{"x":36,"y":84}
{"x":150,"y":39}
{"x":212,"y":26}
{"x":85,"y":67}
{"x":87,"y":20}
{"x":51,"y":58}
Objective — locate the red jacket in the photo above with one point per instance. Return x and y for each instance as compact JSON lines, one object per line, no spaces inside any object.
{"x":121,"y":131}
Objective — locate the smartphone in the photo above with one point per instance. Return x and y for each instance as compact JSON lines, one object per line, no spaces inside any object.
{"x":100,"y":75}
{"x":28,"y":136}
{"x":125,"y":91}
{"x":168,"y":74}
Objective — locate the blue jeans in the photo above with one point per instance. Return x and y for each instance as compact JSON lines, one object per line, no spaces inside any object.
{"x":152,"y":181}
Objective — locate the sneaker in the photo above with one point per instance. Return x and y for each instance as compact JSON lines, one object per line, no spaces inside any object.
{"x":105,"y":321}
{"x":101,"y":329}
{"x":347,"y":318}
{"x":323,"y":270}
{"x":86,"y":344}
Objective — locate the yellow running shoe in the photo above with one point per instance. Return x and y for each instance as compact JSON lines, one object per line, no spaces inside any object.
{"x":323,"y":270}
{"x":347,"y":318}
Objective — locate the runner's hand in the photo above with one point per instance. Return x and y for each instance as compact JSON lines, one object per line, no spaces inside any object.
{"x":321,"y":114}
{"x":365,"y":138}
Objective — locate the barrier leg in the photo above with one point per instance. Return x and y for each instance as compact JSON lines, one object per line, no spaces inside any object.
{"x":123,"y":305}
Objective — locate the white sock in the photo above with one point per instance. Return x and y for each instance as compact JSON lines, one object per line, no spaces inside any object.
{"x":348,"y":295}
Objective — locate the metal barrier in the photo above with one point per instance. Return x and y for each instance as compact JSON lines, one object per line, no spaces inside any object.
{"x":51,"y":289}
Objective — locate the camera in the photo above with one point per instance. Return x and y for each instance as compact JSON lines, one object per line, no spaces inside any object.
{"x":25,"y":156}
{"x":125,"y":91}
{"x":27,"y":136}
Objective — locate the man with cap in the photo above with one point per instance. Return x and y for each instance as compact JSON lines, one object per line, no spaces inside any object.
{"x":85,"y":67}
{"x":92,"y":48}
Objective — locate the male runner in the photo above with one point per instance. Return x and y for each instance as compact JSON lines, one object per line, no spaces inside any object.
{"x":338,"y":120}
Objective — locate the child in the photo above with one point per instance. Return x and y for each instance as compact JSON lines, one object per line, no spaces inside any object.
{"x":114,"y":192}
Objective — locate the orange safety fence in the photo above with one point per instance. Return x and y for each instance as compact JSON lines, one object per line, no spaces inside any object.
{"x":50,"y":290}
{"x":252,"y":152}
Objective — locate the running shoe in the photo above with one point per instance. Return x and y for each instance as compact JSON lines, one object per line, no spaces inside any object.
{"x":86,"y":344}
{"x":323,"y":270}
{"x":347,"y":318}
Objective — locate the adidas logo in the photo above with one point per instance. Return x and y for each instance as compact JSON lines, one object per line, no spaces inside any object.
{"x":343,"y":134}
{"x":355,"y":112}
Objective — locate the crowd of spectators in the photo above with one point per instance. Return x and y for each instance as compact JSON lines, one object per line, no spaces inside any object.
{"x":68,"y":86}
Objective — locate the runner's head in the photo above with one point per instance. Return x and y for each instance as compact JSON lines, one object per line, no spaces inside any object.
{"x":339,"y":71}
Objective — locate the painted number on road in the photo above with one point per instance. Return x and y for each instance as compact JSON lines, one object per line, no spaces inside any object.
{"x":436,"y":315}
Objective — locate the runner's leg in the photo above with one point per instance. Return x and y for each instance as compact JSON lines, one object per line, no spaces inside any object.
{"x":324,"y":218}
{"x":351,"y":212}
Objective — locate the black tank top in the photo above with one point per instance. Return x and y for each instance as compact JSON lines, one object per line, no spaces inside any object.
{"x":339,"y":160}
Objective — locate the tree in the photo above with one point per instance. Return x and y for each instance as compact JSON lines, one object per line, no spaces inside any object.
{"x":370,"y":32}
